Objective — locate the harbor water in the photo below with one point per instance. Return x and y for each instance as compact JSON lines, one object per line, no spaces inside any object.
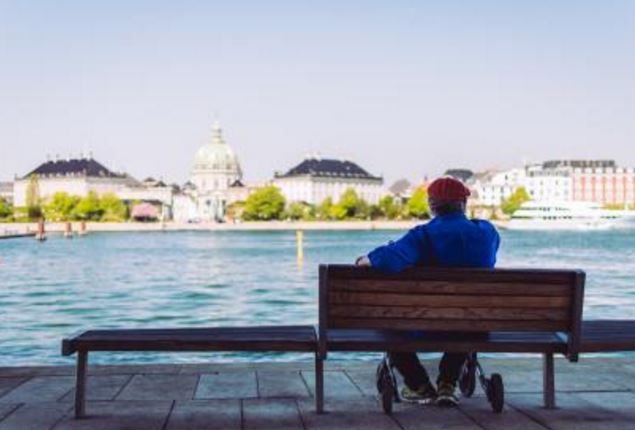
{"x":196,"y":279}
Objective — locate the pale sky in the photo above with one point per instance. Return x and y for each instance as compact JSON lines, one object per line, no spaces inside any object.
{"x":405,"y":89}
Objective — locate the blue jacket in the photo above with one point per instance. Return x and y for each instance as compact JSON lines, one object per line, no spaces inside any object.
{"x":447,"y":241}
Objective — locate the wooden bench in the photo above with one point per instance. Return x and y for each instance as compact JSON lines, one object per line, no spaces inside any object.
{"x":608,"y":336}
{"x":262,"y":338}
{"x":523,"y":311}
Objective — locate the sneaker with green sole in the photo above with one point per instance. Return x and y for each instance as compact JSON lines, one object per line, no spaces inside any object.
{"x":423,"y":395}
{"x":446,"y":394}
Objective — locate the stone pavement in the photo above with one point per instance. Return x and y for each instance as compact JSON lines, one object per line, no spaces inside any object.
{"x":596,"y":393}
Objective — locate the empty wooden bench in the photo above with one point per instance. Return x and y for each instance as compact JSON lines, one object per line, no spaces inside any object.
{"x":259,"y":338}
{"x":522,"y":311}
{"x":607,"y":336}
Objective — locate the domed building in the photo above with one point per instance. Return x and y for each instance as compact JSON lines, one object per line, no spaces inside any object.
{"x":216,"y":168}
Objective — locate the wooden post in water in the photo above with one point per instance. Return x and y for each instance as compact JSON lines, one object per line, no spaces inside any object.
{"x":82,"y":228}
{"x":299,"y":238}
{"x":41,"y":233}
{"x":68,"y":230}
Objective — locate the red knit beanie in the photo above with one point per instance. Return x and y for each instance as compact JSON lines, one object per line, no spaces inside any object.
{"x":448,"y":189}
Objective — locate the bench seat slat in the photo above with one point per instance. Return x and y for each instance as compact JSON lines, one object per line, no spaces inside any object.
{"x":382,"y":340}
{"x":454,"y":313}
{"x":449,"y":300}
{"x":463,"y":286}
{"x":526,"y":276}
{"x":433,"y":324}
{"x":266,"y":338}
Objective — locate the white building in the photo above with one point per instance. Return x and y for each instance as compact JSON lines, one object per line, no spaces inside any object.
{"x":6,"y":191}
{"x":546,"y":183}
{"x":215,"y":173}
{"x":81,"y":176}
{"x":599,"y":181}
{"x":73,"y":176}
{"x":491,"y":188}
{"x":315,"y":179}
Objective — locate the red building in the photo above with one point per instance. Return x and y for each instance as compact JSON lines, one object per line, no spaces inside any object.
{"x":601,"y":181}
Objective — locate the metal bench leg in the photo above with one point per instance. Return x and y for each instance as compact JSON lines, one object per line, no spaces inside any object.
{"x":548,"y":381}
{"x":80,"y":384}
{"x":319,"y":384}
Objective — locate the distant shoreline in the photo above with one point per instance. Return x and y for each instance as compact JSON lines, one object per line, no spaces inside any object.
{"x":59,"y":227}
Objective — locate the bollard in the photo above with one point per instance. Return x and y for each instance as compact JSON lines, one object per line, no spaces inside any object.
{"x":68,"y":231}
{"x":299,"y":238}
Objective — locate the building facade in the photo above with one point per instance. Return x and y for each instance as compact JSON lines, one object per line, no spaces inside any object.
{"x":603,"y":183}
{"x":6,"y":191}
{"x":73,"y":176}
{"x":598,"y":181}
{"x":81,"y":176}
{"x":216,"y":174}
{"x":490,"y":188}
{"x":315,"y":179}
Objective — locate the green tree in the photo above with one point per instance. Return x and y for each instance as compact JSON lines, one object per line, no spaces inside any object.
{"x":61,"y":206}
{"x":113,"y":208}
{"x":88,"y":208}
{"x":300,"y":211}
{"x":33,"y":201}
{"x":5,"y":209}
{"x":264,"y":204}
{"x":513,"y":202}
{"x":389,"y":207}
{"x":325,"y":209}
{"x":350,"y":206}
{"x":417,"y":206}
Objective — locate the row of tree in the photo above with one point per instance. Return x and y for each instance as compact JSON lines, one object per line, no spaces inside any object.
{"x":66,"y":207}
{"x":268,"y":203}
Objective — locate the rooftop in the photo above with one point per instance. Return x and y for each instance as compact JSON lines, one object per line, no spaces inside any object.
{"x":73,"y":167}
{"x":328,"y":167}
{"x":462,"y":174}
{"x":553,"y":164}
{"x":596,"y":393}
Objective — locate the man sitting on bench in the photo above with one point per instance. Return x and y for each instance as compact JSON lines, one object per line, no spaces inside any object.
{"x":448,"y":240}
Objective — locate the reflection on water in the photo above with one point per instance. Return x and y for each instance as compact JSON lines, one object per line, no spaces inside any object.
{"x":51,"y":289}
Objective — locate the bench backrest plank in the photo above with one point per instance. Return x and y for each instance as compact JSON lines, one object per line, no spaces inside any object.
{"x":442,"y":299}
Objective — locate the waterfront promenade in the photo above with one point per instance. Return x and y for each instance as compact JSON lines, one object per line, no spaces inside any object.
{"x":597,"y":393}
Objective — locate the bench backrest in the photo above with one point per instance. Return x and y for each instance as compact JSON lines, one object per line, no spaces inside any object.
{"x":448,"y":299}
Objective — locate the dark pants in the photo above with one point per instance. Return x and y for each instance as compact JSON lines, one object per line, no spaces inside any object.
{"x":415,"y":374}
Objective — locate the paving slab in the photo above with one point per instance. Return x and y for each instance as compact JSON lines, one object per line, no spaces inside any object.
{"x":109,"y":369}
{"x":214,"y":367}
{"x":101,"y":387}
{"x":9,"y":383}
{"x":227,"y":385}
{"x":35,"y":416}
{"x":480,"y":411}
{"x":37,"y":371}
{"x":40,"y":389}
{"x":622,"y":404}
{"x":359,"y":413}
{"x":427,"y":417}
{"x":278,"y":414}
{"x":159,"y":387}
{"x":573,"y":413}
{"x":336,"y":384}
{"x":531,"y":382}
{"x":205,"y":415}
{"x":137,"y":415}
{"x":364,"y":380}
{"x":6,"y":409}
{"x":281,"y":384}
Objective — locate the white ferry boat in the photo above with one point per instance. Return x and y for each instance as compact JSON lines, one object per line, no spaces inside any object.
{"x":536,"y":215}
